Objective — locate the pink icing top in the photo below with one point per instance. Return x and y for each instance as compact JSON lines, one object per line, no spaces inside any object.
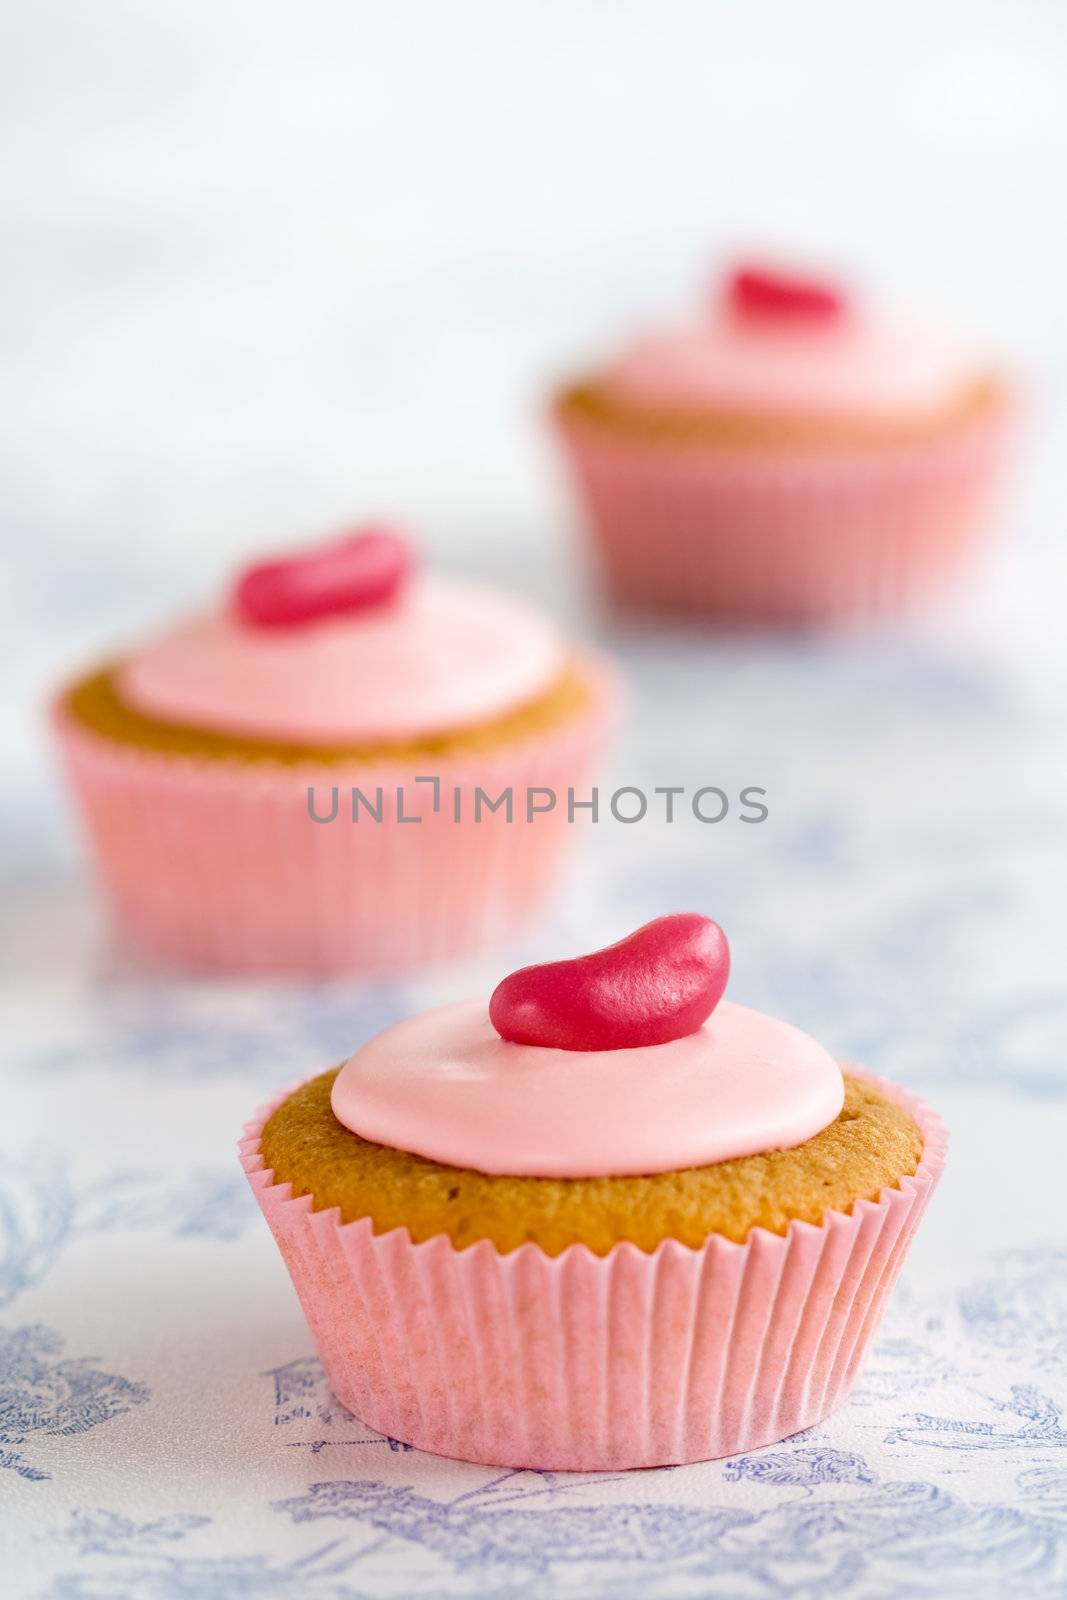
{"x":851,"y":366}
{"x":441,"y":657}
{"x":444,"y":1085}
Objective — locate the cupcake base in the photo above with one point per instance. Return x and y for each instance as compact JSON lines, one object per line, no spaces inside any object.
{"x":216,"y":864}
{"x":802,"y":537}
{"x":581,"y":1362}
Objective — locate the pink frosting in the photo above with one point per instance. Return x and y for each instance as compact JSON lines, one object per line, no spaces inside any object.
{"x":855,"y":367}
{"x":445,"y":1085}
{"x":444,"y":656}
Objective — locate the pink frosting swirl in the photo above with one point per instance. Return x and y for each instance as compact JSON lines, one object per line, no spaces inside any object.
{"x":444,"y":656}
{"x":854,"y":366}
{"x":444,"y":1085}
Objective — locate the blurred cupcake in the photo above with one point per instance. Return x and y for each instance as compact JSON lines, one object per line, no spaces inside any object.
{"x":601,"y":1222}
{"x":304,"y":777}
{"x":786,"y":457}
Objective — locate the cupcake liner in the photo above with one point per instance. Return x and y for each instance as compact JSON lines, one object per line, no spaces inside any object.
{"x":589,"y":1363}
{"x":827,"y":537}
{"x":216,"y":864}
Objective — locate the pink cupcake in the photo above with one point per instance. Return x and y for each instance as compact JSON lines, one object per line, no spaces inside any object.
{"x":786,"y":457}
{"x":601,"y":1221}
{"x":344,"y":765}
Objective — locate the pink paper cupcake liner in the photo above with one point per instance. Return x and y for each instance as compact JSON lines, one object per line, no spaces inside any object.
{"x":216,"y":864}
{"x":808,"y":538}
{"x":588,"y":1363}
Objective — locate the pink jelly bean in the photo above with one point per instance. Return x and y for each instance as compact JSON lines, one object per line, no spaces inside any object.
{"x":758,"y":292}
{"x":354,"y":573}
{"x":660,"y":983}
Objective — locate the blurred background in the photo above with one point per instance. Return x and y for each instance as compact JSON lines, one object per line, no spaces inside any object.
{"x":272,"y":267}
{"x":269,"y":267}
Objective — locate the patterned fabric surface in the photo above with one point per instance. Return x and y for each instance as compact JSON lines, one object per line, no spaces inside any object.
{"x":165,"y":1429}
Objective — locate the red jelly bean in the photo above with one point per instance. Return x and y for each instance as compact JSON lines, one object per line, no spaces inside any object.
{"x":660,"y":983}
{"x":759,"y":292}
{"x":354,"y":573}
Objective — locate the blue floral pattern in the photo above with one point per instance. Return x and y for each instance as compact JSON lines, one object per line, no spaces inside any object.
{"x":43,"y":1211}
{"x":44,"y":1394}
{"x":837,"y":1528}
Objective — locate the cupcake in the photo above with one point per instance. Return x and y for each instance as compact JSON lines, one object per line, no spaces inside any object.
{"x":347,"y":764}
{"x":605,"y":1220}
{"x":786,"y":457}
